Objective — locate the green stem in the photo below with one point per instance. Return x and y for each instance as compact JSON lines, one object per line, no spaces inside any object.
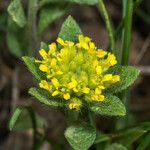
{"x":108,"y":25}
{"x":34,"y":126}
{"x":93,"y":124}
{"x":126,"y":38}
{"x":127,"y":14}
{"x":144,"y":142}
{"x":32,"y":27}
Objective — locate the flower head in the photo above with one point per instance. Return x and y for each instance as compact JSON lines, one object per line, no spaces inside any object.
{"x":77,"y":71}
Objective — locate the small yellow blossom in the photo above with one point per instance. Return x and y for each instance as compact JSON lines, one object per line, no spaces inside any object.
{"x":85,"y":90}
{"x":43,"y":53}
{"x":52,"y":48}
{"x":43,"y":68}
{"x":76,"y":70}
{"x":75,"y":103}
{"x":66,"y":96}
{"x":111,"y":60}
{"x":55,"y":82}
{"x":101,"y":53}
{"x":55,"y":93}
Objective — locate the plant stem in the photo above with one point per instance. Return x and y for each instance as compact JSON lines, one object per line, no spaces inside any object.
{"x":108,"y":25}
{"x":32,"y":27}
{"x":93,"y":124}
{"x":126,"y":39}
{"x":34,"y":126}
{"x":127,"y":14}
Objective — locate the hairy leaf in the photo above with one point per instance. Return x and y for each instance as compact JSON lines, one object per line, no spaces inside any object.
{"x":45,"y":98}
{"x":111,"y":106}
{"x":17,"y":45}
{"x":16,"y":11}
{"x":49,"y":14}
{"x":70,"y":30}
{"x":33,"y":67}
{"x":80,"y":137}
{"x":127,"y":74}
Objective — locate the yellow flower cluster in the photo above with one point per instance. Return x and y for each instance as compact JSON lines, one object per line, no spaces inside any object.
{"x":76,"y":72}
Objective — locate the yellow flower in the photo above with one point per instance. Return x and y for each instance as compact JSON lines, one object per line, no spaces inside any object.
{"x":111,"y":60}
{"x":55,"y":93}
{"x":85,"y":90}
{"x":101,"y":53}
{"x":76,"y":72}
{"x":43,"y":53}
{"x":66,"y":96}
{"x":55,"y":82}
{"x":75,"y":103}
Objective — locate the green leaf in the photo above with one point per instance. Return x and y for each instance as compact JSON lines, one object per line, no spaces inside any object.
{"x":18,"y":123}
{"x":33,"y":67}
{"x":116,"y":146}
{"x":15,"y":117}
{"x":128,"y":136}
{"x":144,"y":142}
{"x":44,"y":46}
{"x":49,"y":14}
{"x":111,"y":106}
{"x":16,"y":44}
{"x":16,"y":11}
{"x":127,"y":74}
{"x":100,"y":137}
{"x":86,"y":2}
{"x":80,"y":137}
{"x":45,"y":98}
{"x":70,"y":30}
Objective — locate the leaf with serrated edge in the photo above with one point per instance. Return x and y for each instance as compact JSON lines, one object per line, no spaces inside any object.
{"x":127,"y":74}
{"x":111,"y":106}
{"x":80,"y":137}
{"x":70,"y":30}
{"x":43,"y":97}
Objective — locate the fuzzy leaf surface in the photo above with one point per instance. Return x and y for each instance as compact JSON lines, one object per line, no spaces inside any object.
{"x":16,"y":11}
{"x":111,"y":106}
{"x":70,"y":30}
{"x":128,"y":75}
{"x":49,"y":14}
{"x":45,"y":98}
{"x":33,"y":67}
{"x":80,"y":137}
